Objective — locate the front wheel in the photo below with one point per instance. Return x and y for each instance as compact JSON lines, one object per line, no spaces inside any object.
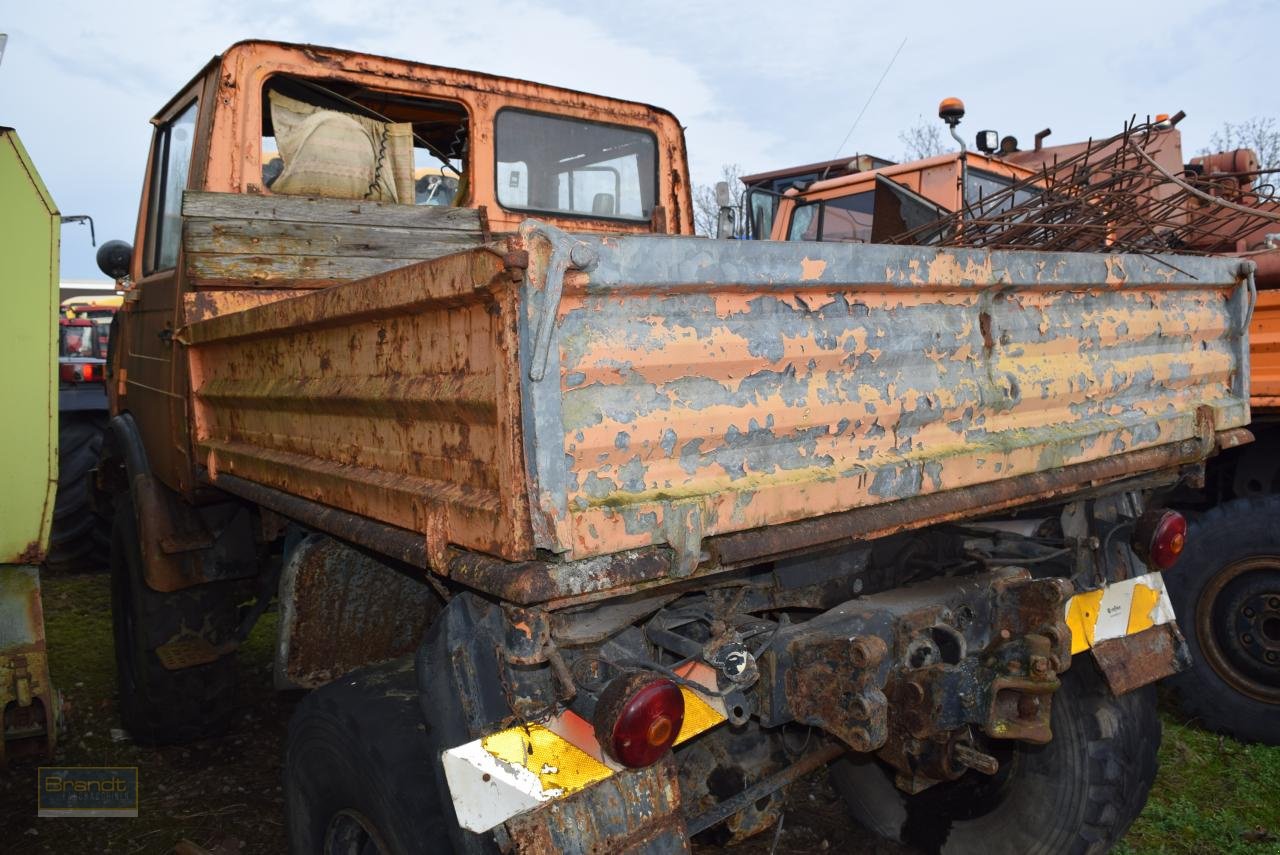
{"x":1226,"y":592}
{"x":160,"y":704}
{"x":1077,"y":794}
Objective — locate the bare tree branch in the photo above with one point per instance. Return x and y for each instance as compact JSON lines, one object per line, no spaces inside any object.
{"x":705,"y":209}
{"x":922,"y":140}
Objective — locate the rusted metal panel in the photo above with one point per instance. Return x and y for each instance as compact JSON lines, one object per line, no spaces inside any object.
{"x":356,"y":611}
{"x":390,"y":398}
{"x":1134,"y":661}
{"x":235,"y":151}
{"x":636,"y":811}
{"x":697,"y":388}
{"x":28,"y":701}
{"x":1264,"y":344}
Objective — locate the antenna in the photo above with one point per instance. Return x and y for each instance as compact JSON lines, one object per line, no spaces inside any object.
{"x":874,"y":90}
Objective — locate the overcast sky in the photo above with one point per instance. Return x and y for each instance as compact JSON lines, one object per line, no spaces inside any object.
{"x":761,"y":84}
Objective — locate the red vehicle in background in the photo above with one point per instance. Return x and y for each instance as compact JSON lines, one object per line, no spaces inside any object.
{"x":79,"y":534}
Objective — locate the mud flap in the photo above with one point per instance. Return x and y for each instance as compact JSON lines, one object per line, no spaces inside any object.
{"x":1134,"y":661}
{"x":636,"y":811}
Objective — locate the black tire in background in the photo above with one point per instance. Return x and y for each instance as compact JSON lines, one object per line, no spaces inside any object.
{"x":1077,"y":794}
{"x":359,"y":775}
{"x":158,"y":705}
{"x":1225,"y":590}
{"x":79,"y":537}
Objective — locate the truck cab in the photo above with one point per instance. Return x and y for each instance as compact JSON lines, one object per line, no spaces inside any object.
{"x":279,"y":122}
{"x":872,"y":205}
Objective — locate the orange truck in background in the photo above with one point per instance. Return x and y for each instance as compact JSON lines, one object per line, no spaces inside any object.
{"x":571,"y":515}
{"x":1226,"y":588}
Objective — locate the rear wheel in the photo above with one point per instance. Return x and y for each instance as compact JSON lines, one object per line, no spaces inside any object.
{"x":1226,"y":593}
{"x":79,"y":536}
{"x":159,"y":704}
{"x":1077,"y":794}
{"x":359,"y":774}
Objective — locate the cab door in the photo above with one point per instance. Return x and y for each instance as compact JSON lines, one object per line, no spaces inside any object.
{"x":151,"y":381}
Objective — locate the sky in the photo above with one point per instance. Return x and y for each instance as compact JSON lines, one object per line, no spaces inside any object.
{"x":760,"y":84}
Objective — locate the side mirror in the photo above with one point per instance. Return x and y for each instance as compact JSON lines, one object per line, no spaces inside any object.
{"x":114,"y":258}
{"x":724,"y":198}
{"x":724,"y":223}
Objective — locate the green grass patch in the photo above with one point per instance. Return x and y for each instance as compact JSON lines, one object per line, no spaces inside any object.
{"x":1213,"y":794}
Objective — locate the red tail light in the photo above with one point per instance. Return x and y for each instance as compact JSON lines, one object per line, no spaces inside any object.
{"x":1159,"y":538}
{"x":638,"y":718}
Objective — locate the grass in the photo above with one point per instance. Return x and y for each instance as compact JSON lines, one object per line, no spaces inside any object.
{"x":1213,"y":794}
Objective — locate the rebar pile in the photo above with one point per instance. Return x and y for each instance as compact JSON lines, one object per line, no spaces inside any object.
{"x":1112,"y":197}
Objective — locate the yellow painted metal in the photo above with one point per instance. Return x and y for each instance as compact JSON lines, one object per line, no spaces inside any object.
{"x":564,"y":768}
{"x":1082,"y":613}
{"x":699,"y":716}
{"x":29,"y":235}
{"x":1141,"y":608}
{"x":559,"y":764}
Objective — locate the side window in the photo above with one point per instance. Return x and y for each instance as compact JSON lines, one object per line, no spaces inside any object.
{"x":848,"y":218}
{"x":171,"y":165}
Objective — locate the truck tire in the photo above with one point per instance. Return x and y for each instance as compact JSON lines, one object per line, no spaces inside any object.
{"x":159,"y":705}
{"x":1225,"y":590}
{"x":79,"y":536}
{"x":1077,"y":794}
{"x":359,"y":775}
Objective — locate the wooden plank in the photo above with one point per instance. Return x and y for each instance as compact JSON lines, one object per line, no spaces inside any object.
{"x":293,"y":271}
{"x":309,"y":209}
{"x":269,"y":237}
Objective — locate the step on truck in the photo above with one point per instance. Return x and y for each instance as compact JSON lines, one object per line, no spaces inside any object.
{"x":591,"y":535}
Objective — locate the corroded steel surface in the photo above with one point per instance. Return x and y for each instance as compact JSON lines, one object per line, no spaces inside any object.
{"x":692,"y":390}
{"x":1264,"y":344}
{"x":1134,"y":661}
{"x":698,"y":388}
{"x":390,"y":398}
{"x":342,"y":609}
{"x":635,"y":811}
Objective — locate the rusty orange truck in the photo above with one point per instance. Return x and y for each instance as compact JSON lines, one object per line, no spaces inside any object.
{"x":592,"y":535}
{"x":1226,"y":588}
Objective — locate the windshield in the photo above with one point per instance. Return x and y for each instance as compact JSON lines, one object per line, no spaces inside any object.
{"x":570,"y":166}
{"x":846,"y":219}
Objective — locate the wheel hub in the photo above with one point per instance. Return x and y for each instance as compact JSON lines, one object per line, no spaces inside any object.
{"x":1238,"y":622}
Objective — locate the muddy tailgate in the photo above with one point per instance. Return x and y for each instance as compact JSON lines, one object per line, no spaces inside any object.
{"x":694,"y":387}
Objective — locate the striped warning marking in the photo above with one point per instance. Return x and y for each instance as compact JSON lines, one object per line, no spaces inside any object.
{"x":1119,"y":609}
{"x":507,"y":773}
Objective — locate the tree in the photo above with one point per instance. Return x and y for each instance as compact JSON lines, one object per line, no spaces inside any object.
{"x":705,"y":208}
{"x":1260,"y":133}
{"x":923,"y":140}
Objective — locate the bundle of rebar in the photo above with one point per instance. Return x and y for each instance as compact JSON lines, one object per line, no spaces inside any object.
{"x":1113,"y":196}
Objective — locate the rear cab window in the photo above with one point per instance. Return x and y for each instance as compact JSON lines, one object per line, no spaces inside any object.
{"x":565,"y":166}
{"x":341,"y":140}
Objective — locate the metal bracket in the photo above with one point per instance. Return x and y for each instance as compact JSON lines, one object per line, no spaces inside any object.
{"x":565,"y":253}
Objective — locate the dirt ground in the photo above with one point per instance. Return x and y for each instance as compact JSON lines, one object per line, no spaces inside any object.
{"x":225,"y":795}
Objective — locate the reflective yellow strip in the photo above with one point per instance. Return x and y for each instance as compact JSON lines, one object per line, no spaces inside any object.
{"x":1120,"y":609}
{"x":1082,"y":613}
{"x":557,"y":763}
{"x":562,"y":767}
{"x":1143,"y":608}
{"x":698,"y":716}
